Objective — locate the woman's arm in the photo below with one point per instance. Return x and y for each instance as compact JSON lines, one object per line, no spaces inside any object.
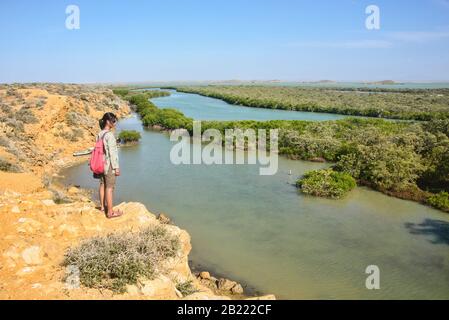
{"x":113,"y":152}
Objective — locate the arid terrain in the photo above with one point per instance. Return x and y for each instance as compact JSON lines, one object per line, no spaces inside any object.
{"x":41,"y":126}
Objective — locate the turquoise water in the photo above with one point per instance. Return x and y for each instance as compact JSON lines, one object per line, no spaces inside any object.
{"x":259,"y":230}
{"x":204,"y":108}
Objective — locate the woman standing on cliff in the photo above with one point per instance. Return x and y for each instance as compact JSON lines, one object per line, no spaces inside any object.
{"x":111,"y":168}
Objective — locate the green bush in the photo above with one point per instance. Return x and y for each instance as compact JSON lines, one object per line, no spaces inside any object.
{"x":150,"y":94}
{"x":385,"y":166}
{"x":127,"y":136}
{"x":439,"y":201}
{"x":186,"y":288}
{"x":326,"y":183}
{"x":151,"y":115}
{"x":121,"y":92}
{"x":119,"y":259}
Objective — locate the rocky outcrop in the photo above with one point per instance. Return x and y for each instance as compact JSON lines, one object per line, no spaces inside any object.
{"x":37,"y":232}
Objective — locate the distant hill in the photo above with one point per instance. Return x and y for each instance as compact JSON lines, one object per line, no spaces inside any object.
{"x":383,"y":82}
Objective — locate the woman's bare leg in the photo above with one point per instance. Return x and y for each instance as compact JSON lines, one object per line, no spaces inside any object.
{"x":101,"y":192}
{"x":111,"y":213}
{"x":109,"y":201}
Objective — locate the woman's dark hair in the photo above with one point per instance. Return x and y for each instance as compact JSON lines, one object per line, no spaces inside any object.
{"x":108,"y":116}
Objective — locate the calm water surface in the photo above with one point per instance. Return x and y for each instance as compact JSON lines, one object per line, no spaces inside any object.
{"x":259,"y":230}
{"x":205,"y":108}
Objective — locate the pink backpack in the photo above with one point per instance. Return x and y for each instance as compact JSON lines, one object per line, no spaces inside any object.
{"x":97,"y":160}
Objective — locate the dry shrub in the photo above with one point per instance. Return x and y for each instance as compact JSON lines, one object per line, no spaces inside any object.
{"x":113,"y":261}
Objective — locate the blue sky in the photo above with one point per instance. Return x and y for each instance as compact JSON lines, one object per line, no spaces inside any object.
{"x":135,"y":41}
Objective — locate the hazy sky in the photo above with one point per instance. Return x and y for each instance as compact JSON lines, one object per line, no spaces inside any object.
{"x":122,"y":41}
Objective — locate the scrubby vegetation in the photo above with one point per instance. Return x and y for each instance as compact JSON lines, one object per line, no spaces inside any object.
{"x":8,"y":166}
{"x":326,"y":183}
{"x":129,"y":136}
{"x":113,"y":261}
{"x":423,"y":104}
{"x":26,"y":116}
{"x":409,"y":160}
{"x":440,"y":201}
{"x":186,"y":288}
{"x":167,"y":118}
{"x":149,"y":94}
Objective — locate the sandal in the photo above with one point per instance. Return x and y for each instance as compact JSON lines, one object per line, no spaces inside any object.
{"x":115,"y":214}
{"x":100,"y":209}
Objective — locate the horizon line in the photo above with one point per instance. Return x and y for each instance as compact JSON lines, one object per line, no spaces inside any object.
{"x":323,"y":81}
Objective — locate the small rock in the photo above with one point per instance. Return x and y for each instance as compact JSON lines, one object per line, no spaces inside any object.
{"x":73,"y":190}
{"x":209,"y":283}
{"x":10,"y":193}
{"x":132,"y":290}
{"x":36,"y":286}
{"x":25,"y":271}
{"x":46,"y":194}
{"x":226,"y":284}
{"x":159,"y":288}
{"x":48,"y":202}
{"x":50,"y":249}
{"x":318,"y":159}
{"x":67,"y":230}
{"x":178,"y":293}
{"x":266,"y":297}
{"x":205,"y":296}
{"x":163,"y":219}
{"x":32,"y":255}
{"x":205,"y":275}
{"x":12,"y":257}
{"x":237,"y":289}
{"x":15,"y":209}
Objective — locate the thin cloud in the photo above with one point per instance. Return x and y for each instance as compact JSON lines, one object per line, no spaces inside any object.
{"x":419,"y":36}
{"x":358,"y":44}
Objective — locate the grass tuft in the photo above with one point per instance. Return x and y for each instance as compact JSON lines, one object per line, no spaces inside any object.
{"x":116,"y":260}
{"x":186,"y":288}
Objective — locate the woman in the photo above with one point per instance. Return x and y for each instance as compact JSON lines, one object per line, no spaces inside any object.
{"x":111,"y":169}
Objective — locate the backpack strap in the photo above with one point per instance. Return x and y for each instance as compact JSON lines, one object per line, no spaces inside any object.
{"x":102,"y":138}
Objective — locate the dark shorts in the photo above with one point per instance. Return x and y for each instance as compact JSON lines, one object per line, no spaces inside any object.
{"x":107,"y":179}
